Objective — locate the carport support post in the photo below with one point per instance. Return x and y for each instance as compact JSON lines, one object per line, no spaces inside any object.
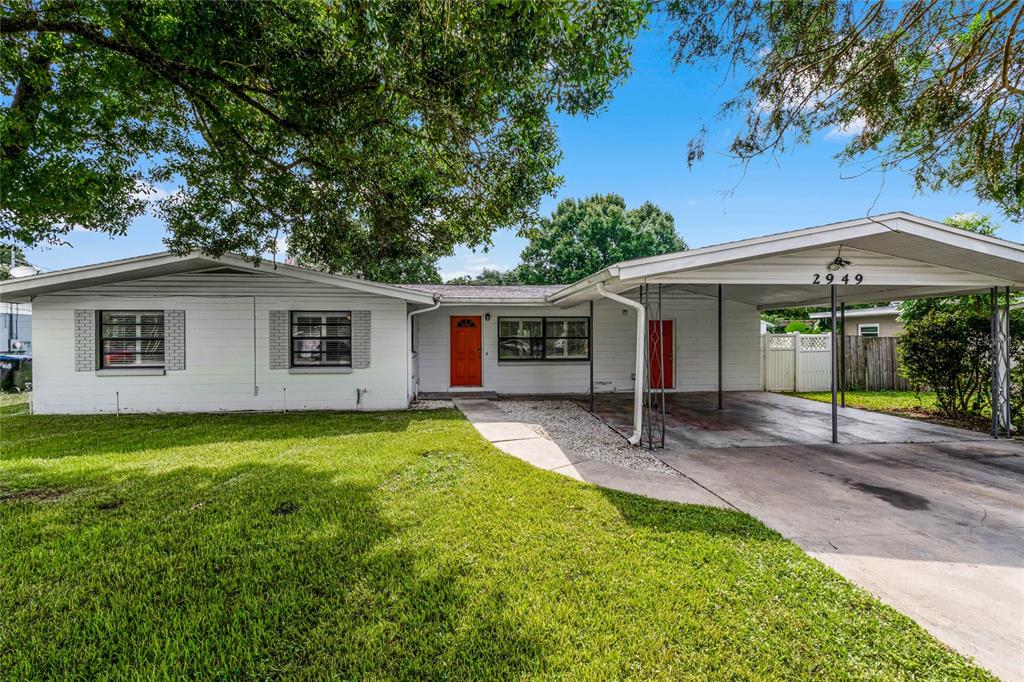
{"x":993,"y":357}
{"x":1007,"y":388}
{"x":835,"y":371}
{"x":590,"y":349}
{"x":719,"y":346}
{"x":842,"y":351}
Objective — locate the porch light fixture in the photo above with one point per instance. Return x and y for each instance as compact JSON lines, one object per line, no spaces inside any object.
{"x":487,"y":316}
{"x":838,"y":263}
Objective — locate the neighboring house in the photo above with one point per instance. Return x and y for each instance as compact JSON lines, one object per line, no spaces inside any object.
{"x":15,"y":327}
{"x":193,"y":333}
{"x":877,"y":321}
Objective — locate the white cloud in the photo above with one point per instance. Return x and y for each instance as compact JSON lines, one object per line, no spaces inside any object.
{"x":851,"y":129}
{"x":153,"y":193}
{"x":467,"y":265}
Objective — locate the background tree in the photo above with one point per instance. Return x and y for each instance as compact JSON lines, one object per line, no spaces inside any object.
{"x":363,"y":130}
{"x":489,"y":277}
{"x":934,"y":88}
{"x":583,"y":236}
{"x":6,"y":251}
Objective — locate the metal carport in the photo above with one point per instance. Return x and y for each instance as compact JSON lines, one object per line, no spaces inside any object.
{"x":895,"y":256}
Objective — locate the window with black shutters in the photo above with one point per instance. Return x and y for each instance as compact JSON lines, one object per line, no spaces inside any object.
{"x":321,"y":339}
{"x":131,"y":338}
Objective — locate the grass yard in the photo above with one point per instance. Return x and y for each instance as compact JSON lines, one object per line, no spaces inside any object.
{"x":13,"y":403}
{"x":394,"y":545}
{"x":902,"y":404}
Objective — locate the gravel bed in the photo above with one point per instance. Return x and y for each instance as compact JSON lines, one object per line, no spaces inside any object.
{"x":431,"y":404}
{"x":576,"y":430}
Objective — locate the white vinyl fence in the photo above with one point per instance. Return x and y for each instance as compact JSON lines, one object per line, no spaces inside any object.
{"x":796,"y":362}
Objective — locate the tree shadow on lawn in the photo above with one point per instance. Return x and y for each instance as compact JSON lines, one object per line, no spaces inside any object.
{"x":57,"y":436}
{"x":254,"y":571}
{"x":674,"y":517}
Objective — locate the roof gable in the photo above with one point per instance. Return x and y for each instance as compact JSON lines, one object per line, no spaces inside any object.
{"x":160,"y":264}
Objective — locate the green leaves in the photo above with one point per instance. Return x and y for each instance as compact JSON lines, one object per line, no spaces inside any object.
{"x":364,"y":131}
{"x":932,"y":89}
{"x":584,"y":236}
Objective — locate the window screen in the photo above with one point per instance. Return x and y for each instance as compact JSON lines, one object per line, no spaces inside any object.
{"x":131,"y":338}
{"x":868,"y":329}
{"x":321,"y":339}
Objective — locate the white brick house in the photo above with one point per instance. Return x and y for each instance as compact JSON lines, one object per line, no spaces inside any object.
{"x":169,"y":333}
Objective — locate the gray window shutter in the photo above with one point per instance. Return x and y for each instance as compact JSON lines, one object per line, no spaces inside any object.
{"x":280,"y":337}
{"x":174,"y":340}
{"x":85,"y":340}
{"x":360,"y":339}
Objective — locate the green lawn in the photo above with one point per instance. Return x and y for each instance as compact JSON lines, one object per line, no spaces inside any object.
{"x":394,"y":545}
{"x":882,"y":401}
{"x":13,"y":403}
{"x":904,"y":404}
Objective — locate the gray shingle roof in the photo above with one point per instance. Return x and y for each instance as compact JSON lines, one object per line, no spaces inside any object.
{"x":469,"y":291}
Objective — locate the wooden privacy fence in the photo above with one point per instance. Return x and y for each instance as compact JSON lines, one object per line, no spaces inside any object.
{"x":802,"y":362}
{"x":872,"y":364}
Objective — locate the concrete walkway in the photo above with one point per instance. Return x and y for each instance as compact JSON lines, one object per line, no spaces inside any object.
{"x":935,"y":530}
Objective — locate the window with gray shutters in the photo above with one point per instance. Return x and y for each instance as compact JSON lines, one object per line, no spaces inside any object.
{"x":321,"y":339}
{"x":131,"y":338}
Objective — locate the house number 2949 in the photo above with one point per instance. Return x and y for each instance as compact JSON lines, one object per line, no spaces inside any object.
{"x":834,"y":279}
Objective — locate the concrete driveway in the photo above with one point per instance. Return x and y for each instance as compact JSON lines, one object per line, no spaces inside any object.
{"x":936,"y":530}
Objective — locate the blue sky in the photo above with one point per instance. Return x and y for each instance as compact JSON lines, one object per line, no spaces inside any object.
{"x":637,"y":148}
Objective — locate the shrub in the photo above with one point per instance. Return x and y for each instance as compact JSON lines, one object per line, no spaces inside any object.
{"x":948,"y":351}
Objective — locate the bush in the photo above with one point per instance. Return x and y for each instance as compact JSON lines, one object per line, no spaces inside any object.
{"x":948,"y":351}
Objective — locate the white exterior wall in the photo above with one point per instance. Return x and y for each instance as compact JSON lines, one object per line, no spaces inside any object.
{"x":223,"y":369}
{"x":433,"y":346}
{"x":696,"y":352}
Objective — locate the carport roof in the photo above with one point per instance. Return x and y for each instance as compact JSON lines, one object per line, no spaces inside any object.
{"x":897,"y":256}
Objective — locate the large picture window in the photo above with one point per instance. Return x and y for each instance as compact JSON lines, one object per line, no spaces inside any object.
{"x":131,"y":338}
{"x":321,"y":339}
{"x":543,"y":338}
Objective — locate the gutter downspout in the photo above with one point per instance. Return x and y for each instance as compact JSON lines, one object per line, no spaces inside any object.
{"x":408,"y":344}
{"x":641,"y":332}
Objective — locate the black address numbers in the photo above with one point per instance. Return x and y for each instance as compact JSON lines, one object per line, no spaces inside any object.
{"x":831,"y":278}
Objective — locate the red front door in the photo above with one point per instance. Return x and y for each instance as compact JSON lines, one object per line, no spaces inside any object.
{"x":466,"y":351}
{"x":660,"y":349}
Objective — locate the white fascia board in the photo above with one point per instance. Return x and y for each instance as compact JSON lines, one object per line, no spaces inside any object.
{"x":894,"y":294}
{"x":585,"y":288}
{"x":838,"y":233}
{"x":88,"y":275}
{"x":777,"y":245}
{"x":981,"y":243}
{"x":154,"y":265}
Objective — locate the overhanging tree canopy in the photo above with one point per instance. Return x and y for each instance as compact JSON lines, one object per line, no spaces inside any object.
{"x":363,"y":130}
{"x":934,"y":88}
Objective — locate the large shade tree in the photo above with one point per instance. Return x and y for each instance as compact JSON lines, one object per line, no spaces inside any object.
{"x":583,"y":236}
{"x":932,"y":88}
{"x":363,"y":130}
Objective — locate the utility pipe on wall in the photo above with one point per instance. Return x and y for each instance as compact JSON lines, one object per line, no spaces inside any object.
{"x":408,"y":343}
{"x":638,"y":383}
